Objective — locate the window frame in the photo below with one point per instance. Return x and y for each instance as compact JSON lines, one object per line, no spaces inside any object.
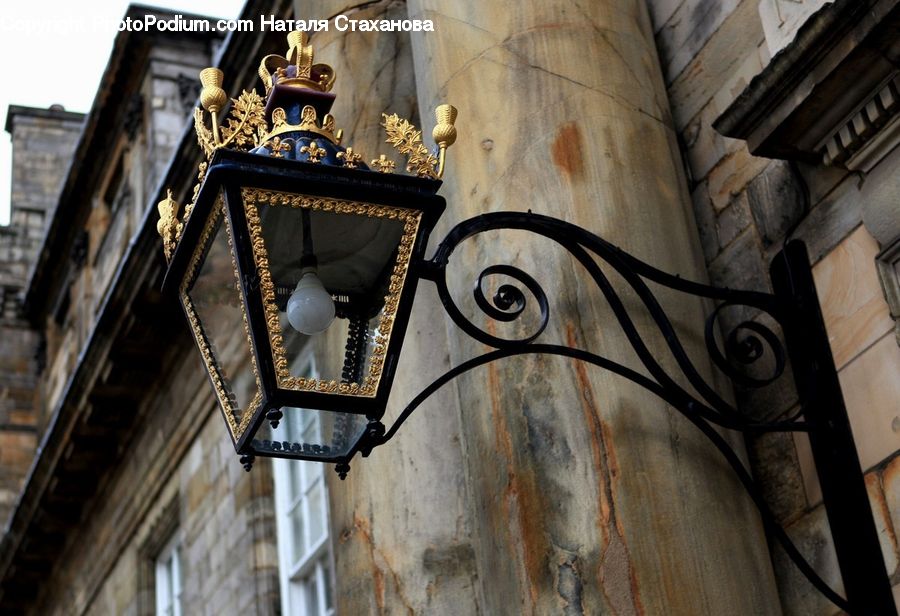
{"x":295,"y":481}
{"x":167,"y":565}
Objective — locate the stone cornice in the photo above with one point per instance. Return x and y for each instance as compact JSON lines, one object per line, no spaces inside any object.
{"x":830,"y":96}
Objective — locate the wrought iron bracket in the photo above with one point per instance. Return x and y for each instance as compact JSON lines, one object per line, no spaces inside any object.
{"x":793,"y":305}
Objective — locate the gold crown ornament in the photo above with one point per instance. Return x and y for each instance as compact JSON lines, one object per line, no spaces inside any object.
{"x":293,"y":122}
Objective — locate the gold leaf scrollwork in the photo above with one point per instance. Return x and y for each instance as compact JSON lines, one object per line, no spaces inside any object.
{"x":407,"y":139}
{"x":247,"y":115}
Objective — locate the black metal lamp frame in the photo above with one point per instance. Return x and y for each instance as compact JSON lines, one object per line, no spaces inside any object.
{"x":793,"y":305}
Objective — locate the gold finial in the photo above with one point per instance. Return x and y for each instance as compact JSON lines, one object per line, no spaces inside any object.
{"x":383,"y":164}
{"x":167,"y":225}
{"x":212,"y":96}
{"x":444,"y":133}
{"x":351,"y":159}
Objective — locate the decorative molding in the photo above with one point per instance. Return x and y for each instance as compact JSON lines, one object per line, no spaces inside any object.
{"x":870,"y":134}
{"x":888,"y":263}
{"x":830,"y":95}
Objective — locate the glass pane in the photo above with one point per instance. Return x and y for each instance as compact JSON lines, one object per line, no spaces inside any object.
{"x":312,"y":472}
{"x":335,"y":433}
{"x":317,"y":524}
{"x":312,"y":594}
{"x":296,"y":486}
{"x":326,"y":575}
{"x":298,"y":542}
{"x":357,"y":255}
{"x":214,"y":299}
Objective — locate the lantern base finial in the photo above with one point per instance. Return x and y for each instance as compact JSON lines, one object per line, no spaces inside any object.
{"x":342,"y":468}
{"x":247,"y":462}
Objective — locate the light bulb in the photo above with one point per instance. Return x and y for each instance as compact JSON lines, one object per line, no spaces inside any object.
{"x":310,"y":309}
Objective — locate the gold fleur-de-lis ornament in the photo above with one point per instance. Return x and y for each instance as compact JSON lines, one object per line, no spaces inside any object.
{"x":313,"y":151}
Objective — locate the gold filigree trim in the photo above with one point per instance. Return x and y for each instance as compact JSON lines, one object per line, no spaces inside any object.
{"x":189,"y":208}
{"x":411,"y":218}
{"x":237,"y":425}
{"x":168,"y":223}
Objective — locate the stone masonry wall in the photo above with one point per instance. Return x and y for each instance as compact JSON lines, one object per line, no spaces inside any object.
{"x":745,"y":206}
{"x":43,"y":141}
{"x":178,"y":475}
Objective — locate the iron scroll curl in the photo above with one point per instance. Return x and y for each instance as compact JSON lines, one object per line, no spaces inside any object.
{"x":743,"y":346}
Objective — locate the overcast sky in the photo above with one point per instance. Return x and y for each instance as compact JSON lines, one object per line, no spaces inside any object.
{"x":54,"y":51}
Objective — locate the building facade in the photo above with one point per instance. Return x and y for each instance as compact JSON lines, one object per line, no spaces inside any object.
{"x":531,"y":486}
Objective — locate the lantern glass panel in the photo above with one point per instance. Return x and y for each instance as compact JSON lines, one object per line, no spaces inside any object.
{"x":310,"y":433}
{"x":212,"y":300}
{"x":360,"y":254}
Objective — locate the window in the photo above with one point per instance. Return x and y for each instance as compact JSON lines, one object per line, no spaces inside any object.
{"x":168,"y":579}
{"x":301,"y":507}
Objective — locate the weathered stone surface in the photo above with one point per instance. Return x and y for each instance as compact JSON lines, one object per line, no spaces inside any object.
{"x":774,"y":460}
{"x":741,"y":265}
{"x":871,"y":390}
{"x":706,"y":221}
{"x":883,"y":525}
{"x":602,"y":521}
{"x":721,"y":59}
{"x":830,"y":220}
{"x":687,"y":30}
{"x":43,"y":141}
{"x":812,"y":536}
{"x":731,"y":175}
{"x":890,"y":482}
{"x":853,"y":306}
{"x":777,"y":201}
{"x":781,"y":20}
{"x":733,"y":220}
{"x":705,"y":147}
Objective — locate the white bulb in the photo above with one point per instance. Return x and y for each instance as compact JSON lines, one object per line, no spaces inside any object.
{"x":310,"y":309}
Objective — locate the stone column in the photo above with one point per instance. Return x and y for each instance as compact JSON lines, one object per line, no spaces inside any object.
{"x":401,"y":522}
{"x":586,"y":493}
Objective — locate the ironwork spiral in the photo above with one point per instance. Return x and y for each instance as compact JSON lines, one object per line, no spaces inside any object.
{"x":745,"y":343}
{"x":506,"y":305}
{"x":743,"y":346}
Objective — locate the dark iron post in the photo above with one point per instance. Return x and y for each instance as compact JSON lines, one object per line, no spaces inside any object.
{"x":846,"y":501}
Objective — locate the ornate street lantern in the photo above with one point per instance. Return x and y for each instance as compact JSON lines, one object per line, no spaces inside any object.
{"x":296,"y":263}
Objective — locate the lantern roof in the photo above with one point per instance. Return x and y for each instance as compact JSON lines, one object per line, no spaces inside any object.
{"x":293,"y":122}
